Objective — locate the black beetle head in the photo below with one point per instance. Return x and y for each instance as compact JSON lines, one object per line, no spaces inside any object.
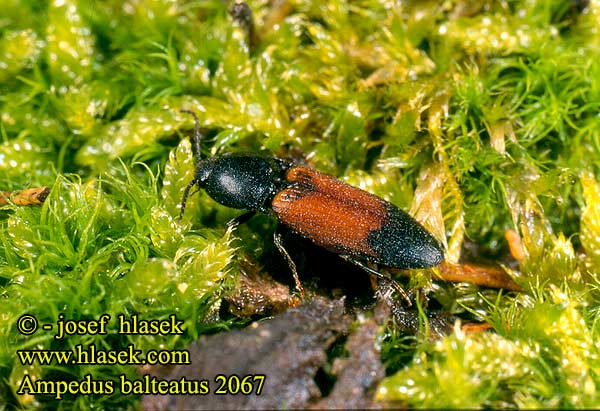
{"x":204,"y":169}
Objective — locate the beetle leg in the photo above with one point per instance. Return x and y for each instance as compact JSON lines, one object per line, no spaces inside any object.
{"x":385,"y":277}
{"x":279,"y":244}
{"x":241,"y":219}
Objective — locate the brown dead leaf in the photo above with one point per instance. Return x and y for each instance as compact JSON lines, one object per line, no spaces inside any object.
{"x":30,"y":196}
{"x":288,"y":350}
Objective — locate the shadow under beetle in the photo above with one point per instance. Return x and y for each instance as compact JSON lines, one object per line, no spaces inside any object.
{"x":357,"y":225}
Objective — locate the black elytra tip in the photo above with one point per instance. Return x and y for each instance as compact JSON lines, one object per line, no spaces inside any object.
{"x":402,"y":242}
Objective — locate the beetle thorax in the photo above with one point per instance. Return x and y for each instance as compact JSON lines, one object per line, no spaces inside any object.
{"x":240,"y":181}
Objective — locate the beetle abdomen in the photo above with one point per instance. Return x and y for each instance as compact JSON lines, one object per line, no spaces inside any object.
{"x":350,"y":221}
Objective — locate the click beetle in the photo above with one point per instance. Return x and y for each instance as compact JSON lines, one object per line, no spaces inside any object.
{"x":357,"y":225}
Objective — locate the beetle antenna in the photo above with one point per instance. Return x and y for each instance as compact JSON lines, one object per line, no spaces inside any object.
{"x":197,"y":134}
{"x":186,"y":194}
{"x":242,"y":14}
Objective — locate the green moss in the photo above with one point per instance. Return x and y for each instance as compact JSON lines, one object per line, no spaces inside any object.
{"x":477,"y":116}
